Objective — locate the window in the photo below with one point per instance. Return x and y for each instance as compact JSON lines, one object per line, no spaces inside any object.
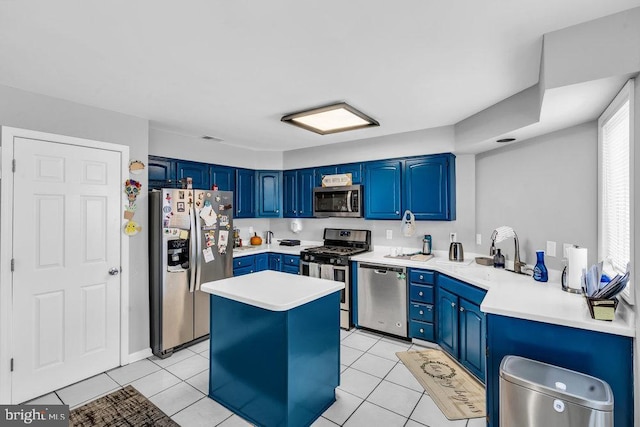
{"x":615,"y":151}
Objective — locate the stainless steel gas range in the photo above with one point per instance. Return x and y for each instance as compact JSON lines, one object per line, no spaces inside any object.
{"x":332,"y":261}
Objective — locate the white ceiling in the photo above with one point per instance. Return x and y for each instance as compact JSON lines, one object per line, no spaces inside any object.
{"x":231,"y":69}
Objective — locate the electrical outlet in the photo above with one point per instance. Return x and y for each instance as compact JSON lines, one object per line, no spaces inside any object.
{"x":453,"y":237}
{"x":478,"y":239}
{"x":551,"y":248}
{"x":566,"y":246}
{"x":389,"y":234}
{"x":251,"y":231}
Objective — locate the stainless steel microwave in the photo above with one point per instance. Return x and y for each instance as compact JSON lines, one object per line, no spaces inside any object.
{"x":345,"y":201}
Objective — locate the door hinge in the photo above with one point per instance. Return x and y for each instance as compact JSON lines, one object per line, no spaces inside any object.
{"x":13,"y":264}
{"x":13,"y":165}
{"x":12,"y":364}
{"x":486,"y":352}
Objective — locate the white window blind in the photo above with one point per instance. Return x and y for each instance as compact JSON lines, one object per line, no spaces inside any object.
{"x":615,"y":212}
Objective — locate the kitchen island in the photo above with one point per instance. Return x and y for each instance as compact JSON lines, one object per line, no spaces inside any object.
{"x":275,"y":343}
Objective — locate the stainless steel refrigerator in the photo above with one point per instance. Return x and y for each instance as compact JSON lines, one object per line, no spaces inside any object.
{"x":189,"y":244}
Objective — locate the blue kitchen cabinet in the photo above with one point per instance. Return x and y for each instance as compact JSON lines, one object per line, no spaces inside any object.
{"x":245,"y":193}
{"x":291,"y":264}
{"x":298,"y":193}
{"x":275,"y":262}
{"x":222,"y":176}
{"x":322,"y":171}
{"x":429,"y":187}
{"x":382,"y":195}
{"x":269,"y":196}
{"x":355,"y":169}
{"x":605,"y":356}
{"x":261,"y":262}
{"x":162,"y":172}
{"x":421,"y":304}
{"x":198,"y":172}
{"x":461,"y":324}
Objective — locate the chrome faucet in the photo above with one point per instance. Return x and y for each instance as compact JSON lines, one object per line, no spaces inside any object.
{"x":503,"y":233}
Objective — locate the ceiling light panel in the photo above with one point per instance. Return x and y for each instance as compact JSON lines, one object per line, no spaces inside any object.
{"x":330,"y":119}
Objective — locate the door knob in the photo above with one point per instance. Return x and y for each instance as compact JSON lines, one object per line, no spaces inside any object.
{"x":114,"y":271}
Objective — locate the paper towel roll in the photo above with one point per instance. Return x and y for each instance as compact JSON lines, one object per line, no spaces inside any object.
{"x":577,"y":262}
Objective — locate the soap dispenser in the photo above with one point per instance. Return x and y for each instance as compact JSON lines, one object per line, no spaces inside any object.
{"x":498,"y":259}
{"x":540,"y":272}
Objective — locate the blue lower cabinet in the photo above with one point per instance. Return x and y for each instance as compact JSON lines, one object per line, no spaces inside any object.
{"x":605,"y":356}
{"x":241,"y":271}
{"x":244,"y":265}
{"x":262,"y":262}
{"x":291,"y":264}
{"x":422,"y":312}
{"x":280,"y":385}
{"x":472,"y":336}
{"x":421,"y":330}
{"x":448,"y":321}
{"x":275,"y":262}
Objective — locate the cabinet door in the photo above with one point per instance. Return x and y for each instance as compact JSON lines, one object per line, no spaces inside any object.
{"x":245,"y":193}
{"x":269,"y":201}
{"x":322,"y":171}
{"x":275,"y":262}
{"x":472,"y":338}
{"x":198,"y":172}
{"x":262,"y":262}
{"x":162,"y":172}
{"x":427,"y":187}
{"x":306,"y":182}
{"x":355,"y":169}
{"x":382,"y":190}
{"x":290,"y":194}
{"x":222,"y":176}
{"x":448,"y":321}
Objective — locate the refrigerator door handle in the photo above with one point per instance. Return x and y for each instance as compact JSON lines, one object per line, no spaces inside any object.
{"x":194,"y":256}
{"x":196,"y":233}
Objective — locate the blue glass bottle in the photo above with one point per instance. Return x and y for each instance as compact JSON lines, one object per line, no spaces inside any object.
{"x":540,"y":272}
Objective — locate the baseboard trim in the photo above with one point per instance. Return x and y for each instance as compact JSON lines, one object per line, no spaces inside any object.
{"x":139,"y":355}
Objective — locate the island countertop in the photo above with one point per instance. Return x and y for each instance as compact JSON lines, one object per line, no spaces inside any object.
{"x":272,"y":290}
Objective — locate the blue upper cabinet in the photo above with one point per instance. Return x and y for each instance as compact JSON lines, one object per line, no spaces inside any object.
{"x":269,"y":197}
{"x":290,"y":194}
{"x":162,"y":172}
{"x":245,"y":193}
{"x":355,"y":169}
{"x":222,"y":176}
{"x":198,"y":172}
{"x":382,"y":196}
{"x":322,"y":171}
{"x":429,"y":187}
{"x":298,"y":193}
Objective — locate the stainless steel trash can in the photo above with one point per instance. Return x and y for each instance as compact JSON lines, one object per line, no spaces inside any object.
{"x":536,"y":394}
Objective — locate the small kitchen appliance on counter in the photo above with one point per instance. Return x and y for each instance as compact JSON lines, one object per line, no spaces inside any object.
{"x":289,"y":242}
{"x":331,"y":261}
{"x":456,"y":253}
{"x":426,"y":244}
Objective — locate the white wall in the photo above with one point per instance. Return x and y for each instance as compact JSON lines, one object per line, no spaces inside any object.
{"x":28,"y":110}
{"x":177,"y":146}
{"x":545,"y":188}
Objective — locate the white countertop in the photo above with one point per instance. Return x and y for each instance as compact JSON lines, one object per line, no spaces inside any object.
{"x":274,"y":248}
{"x":516,"y":295}
{"x":272,"y":290}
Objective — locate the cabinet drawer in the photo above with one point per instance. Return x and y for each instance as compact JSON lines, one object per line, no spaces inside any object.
{"x":422,"y":312}
{"x":291,"y":260}
{"x":422,"y":276}
{"x":291,"y":269}
{"x":241,"y":271}
{"x":421,"y":330}
{"x":421,"y":293}
{"x":245,"y":261}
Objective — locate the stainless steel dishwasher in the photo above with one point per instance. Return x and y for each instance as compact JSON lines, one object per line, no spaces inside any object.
{"x":382,"y":298}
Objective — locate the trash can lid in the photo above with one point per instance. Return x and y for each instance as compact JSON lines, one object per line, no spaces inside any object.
{"x":558,"y":382}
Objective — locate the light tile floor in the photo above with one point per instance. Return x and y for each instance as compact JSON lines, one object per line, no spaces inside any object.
{"x":375,"y":388}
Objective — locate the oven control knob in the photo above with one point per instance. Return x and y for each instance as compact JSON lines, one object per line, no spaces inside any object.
{"x":332,"y":261}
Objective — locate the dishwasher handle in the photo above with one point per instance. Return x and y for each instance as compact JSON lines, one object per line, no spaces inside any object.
{"x":382,"y":269}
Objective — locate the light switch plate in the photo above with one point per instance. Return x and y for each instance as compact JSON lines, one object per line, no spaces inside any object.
{"x":389,"y":234}
{"x":566,"y":246}
{"x":478,"y":239}
{"x":551,"y":248}
{"x":453,"y":237}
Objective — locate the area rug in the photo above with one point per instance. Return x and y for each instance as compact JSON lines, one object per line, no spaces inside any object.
{"x":457,"y":393}
{"x":124,"y":407}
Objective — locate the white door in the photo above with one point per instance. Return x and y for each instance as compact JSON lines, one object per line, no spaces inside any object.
{"x":66,"y":237}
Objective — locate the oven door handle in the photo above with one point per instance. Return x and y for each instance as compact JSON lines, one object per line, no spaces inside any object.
{"x":349,"y":195}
